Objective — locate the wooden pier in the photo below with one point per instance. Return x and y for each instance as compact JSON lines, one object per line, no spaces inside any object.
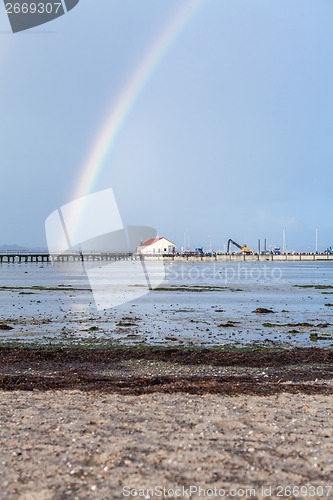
{"x":19,"y":258}
{"x":40,"y":257}
{"x":22,"y":257}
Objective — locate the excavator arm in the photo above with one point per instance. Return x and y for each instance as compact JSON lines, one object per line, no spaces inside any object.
{"x":234,"y":243}
{"x":243,"y":248}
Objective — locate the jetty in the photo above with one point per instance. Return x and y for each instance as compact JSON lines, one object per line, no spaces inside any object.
{"x":239,"y":257}
{"x":21,"y":258}
{"x":40,"y":257}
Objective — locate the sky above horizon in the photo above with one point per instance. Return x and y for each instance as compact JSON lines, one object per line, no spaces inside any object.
{"x":229,"y":136}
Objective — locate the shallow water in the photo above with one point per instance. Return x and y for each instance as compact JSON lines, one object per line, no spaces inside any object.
{"x":201,"y":303}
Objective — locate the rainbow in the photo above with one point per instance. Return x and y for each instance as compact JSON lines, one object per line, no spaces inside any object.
{"x":120,"y":110}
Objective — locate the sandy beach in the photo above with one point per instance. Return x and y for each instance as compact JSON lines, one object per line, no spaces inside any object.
{"x":223,"y":425}
{"x":71,"y":444}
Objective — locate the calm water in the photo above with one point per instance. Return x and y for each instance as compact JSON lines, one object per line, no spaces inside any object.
{"x":212,"y":304}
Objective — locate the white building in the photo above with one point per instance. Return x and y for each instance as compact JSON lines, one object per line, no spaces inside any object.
{"x":156,"y":246}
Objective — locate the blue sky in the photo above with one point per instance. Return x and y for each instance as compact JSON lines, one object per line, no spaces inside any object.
{"x":230,"y":137}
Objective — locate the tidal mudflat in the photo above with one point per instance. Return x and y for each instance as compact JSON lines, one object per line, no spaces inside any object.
{"x":214,"y":304}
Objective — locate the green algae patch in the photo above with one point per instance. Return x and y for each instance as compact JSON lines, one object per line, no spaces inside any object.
{"x":316,"y":287}
{"x":36,"y":288}
{"x":263,"y":310}
{"x":320,"y":336}
{"x":91,"y":329}
{"x":196,"y":288}
{"x":296,"y":325}
{"x":4,"y":326}
{"x":228,"y":324}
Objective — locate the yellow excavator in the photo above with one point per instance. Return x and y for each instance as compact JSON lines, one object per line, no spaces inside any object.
{"x":244,"y":248}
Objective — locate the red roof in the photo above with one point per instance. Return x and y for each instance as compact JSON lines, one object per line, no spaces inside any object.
{"x":153,"y":240}
{"x":150,"y":242}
